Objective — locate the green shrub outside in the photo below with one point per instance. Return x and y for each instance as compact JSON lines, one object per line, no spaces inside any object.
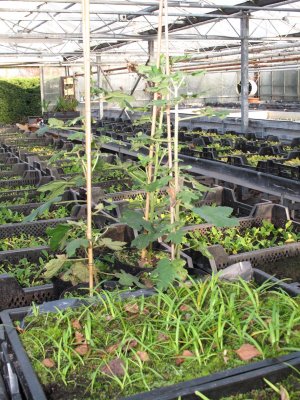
{"x":19,"y":98}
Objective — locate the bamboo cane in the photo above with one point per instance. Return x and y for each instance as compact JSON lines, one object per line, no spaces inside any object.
{"x":88,"y":135}
{"x":172,"y":195}
{"x":154,"y":116}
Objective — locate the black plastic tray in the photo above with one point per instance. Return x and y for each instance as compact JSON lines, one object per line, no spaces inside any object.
{"x":277,"y":214}
{"x":69,"y":195}
{"x":223,"y":383}
{"x":30,"y":177}
{"x":35,"y":228}
{"x":17,"y":169}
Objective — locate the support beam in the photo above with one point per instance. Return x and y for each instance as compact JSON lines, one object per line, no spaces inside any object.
{"x":151,"y":50}
{"x":244,"y":72}
{"x":99,"y":84}
{"x":42,"y":86}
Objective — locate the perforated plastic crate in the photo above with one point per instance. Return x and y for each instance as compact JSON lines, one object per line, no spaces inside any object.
{"x":274,"y":213}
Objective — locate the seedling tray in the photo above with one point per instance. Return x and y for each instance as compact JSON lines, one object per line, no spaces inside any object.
{"x":27,"y":141}
{"x":30,"y":177}
{"x":220,"y":196}
{"x":7,"y":156}
{"x":36,"y":228}
{"x":12,"y":195}
{"x":220,"y":384}
{"x":274,"y":213}
{"x":17,"y":169}
{"x":280,"y":169}
{"x":69,"y":195}
{"x":12,"y":295}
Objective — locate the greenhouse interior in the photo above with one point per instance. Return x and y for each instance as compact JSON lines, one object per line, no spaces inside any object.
{"x":150,"y":200}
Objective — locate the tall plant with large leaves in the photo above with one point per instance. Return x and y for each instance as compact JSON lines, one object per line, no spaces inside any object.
{"x":163,"y":169}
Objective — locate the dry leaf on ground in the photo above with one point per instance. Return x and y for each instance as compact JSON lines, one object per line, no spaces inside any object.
{"x":79,"y":338}
{"x":184,"y":307}
{"x":182,"y":358}
{"x":130,"y":344}
{"x":162,"y":337}
{"x":76,"y":324}
{"x":115,"y":367}
{"x":132,"y":308}
{"x":48,"y":362}
{"x":82,"y":349}
{"x":247,"y":352}
{"x":143,"y":356}
{"x":111,"y":349}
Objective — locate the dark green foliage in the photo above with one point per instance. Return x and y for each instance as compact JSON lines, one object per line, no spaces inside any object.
{"x":19,"y":98}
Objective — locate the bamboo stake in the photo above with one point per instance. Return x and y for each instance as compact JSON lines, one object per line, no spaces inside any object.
{"x":154,"y":117}
{"x":88,"y":135}
{"x":172,"y":195}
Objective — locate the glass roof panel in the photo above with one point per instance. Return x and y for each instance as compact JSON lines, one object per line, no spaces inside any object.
{"x":42,"y":29}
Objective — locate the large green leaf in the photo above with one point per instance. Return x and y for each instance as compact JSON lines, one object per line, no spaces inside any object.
{"x":202,"y":248}
{"x":158,"y":184}
{"x":135,"y":220}
{"x":187,"y":197}
{"x":58,"y":236}
{"x":167,"y":271}
{"x":176,"y":237}
{"x":81,"y":271}
{"x":42,"y":131}
{"x":40,"y":210}
{"x":77,"y":273}
{"x":76,"y":136}
{"x":218,"y":216}
{"x":159,"y":103}
{"x":143,"y":240}
{"x":55,"y":123}
{"x":75,"y":244}
{"x":54,"y":266}
{"x":112,"y":244}
{"x":55,"y":188}
{"x":126,"y":279}
{"x":72,"y":122}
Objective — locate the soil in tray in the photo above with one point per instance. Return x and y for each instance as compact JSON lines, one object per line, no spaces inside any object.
{"x":117,"y":348}
{"x":291,"y":385}
{"x":285,"y":268}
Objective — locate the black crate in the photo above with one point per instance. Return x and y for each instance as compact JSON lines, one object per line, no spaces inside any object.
{"x":277,"y":214}
{"x":220,"y":384}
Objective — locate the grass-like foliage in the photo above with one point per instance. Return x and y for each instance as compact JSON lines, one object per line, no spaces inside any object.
{"x":117,"y":348}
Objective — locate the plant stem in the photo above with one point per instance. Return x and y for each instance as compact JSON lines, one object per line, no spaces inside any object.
{"x":169,"y":131}
{"x":175,"y":162}
{"x":88,"y":136}
{"x":154,"y":118}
